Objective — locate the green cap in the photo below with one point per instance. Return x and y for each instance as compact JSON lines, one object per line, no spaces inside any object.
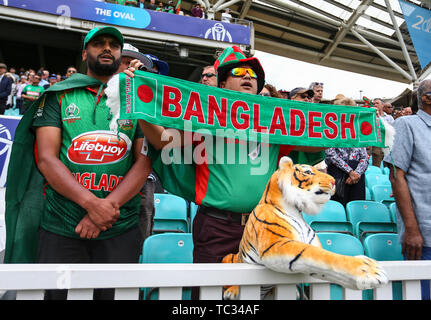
{"x":104,"y":30}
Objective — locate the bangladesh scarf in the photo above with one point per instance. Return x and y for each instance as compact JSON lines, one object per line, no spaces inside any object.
{"x":180,"y":104}
{"x":24,"y":184}
{"x":188,"y":106}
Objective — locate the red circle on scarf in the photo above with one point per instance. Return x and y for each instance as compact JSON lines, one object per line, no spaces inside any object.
{"x":145,"y":93}
{"x":366,"y":128}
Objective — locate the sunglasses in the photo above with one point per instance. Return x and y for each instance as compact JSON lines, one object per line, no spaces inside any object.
{"x":71,"y":71}
{"x":317,"y":84}
{"x":428,"y":94}
{"x":266,"y":94}
{"x":208,"y":75}
{"x":302,"y":95}
{"x":241,"y":72}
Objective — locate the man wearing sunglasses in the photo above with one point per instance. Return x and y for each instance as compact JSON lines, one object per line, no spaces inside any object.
{"x":410,"y":172}
{"x":225,"y":189}
{"x":301,"y":94}
{"x":208,"y":76}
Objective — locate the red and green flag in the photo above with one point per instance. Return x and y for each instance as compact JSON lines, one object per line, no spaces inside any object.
{"x":184,"y":105}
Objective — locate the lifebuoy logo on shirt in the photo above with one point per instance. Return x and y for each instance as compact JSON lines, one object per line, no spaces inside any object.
{"x":99,"y":147}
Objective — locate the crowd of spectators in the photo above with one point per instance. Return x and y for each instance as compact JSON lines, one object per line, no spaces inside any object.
{"x":197,"y":10}
{"x":25,"y":86}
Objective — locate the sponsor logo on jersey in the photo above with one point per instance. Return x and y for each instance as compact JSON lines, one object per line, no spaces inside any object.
{"x":99,"y":147}
{"x":125,"y":124}
{"x":71,"y":113}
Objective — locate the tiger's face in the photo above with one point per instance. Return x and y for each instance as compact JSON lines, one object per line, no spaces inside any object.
{"x":304,"y":187}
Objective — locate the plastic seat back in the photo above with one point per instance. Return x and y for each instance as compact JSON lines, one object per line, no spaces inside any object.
{"x":393,"y":211}
{"x":167,"y":248}
{"x":170,"y":213}
{"x":193,"y":210}
{"x":373,"y":179}
{"x":373,"y":169}
{"x":342,"y":244}
{"x":368,"y":216}
{"x":384,"y":247}
{"x":382,"y":193}
{"x":332,"y":211}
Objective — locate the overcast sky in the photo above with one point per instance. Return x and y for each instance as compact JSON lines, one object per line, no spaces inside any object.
{"x":285,"y":73}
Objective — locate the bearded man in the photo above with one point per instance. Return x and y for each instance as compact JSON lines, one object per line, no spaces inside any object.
{"x":93,"y":175}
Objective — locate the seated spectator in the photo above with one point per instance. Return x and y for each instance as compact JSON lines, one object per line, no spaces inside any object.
{"x":130,"y":53}
{"x":270,"y":91}
{"x":226,"y":16}
{"x":284,"y":94}
{"x":150,"y":6}
{"x":209,"y":76}
{"x":160,"y":7}
{"x":70,"y":71}
{"x":407,"y":111}
{"x":197,"y":11}
{"x":52,"y":80}
{"x":301,"y":94}
{"x":159,"y":66}
{"x":31,"y":93}
{"x":169,"y":7}
{"x":387,"y":112}
{"x":317,"y":87}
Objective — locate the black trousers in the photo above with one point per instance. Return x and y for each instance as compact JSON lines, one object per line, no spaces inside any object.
{"x":351,"y":191}
{"x":54,"y":248}
{"x":146,"y":210}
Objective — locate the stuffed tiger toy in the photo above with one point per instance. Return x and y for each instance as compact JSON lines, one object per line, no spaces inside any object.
{"x":277,"y":237}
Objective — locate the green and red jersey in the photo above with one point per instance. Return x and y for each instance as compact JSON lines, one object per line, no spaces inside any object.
{"x":97,"y":157}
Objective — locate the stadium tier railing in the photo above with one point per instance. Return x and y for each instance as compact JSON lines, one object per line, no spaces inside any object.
{"x":30,"y":280}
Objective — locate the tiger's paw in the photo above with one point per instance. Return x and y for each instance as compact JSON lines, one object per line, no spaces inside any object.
{"x":369,"y":274}
{"x":231,"y":293}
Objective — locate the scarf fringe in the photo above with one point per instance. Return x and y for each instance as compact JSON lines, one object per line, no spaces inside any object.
{"x":113,"y":101}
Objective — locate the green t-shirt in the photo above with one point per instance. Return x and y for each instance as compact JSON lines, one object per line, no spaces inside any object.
{"x":32,"y":91}
{"x":236,"y":174}
{"x":93,"y":154}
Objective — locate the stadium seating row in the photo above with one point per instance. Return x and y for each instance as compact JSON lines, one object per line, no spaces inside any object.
{"x":178,"y":248}
{"x":360,"y":219}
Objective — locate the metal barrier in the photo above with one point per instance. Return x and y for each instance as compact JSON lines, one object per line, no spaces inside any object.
{"x":30,"y":280}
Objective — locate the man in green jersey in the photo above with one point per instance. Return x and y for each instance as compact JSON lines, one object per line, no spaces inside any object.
{"x":31,"y":93}
{"x":230,"y":174}
{"x":93,"y":174}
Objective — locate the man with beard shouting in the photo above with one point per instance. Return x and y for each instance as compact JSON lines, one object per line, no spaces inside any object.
{"x":93,"y":175}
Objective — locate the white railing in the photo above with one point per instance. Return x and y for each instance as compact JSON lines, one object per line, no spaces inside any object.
{"x":30,"y":280}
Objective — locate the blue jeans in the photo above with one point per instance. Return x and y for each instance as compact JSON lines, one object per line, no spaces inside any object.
{"x":425,"y":284}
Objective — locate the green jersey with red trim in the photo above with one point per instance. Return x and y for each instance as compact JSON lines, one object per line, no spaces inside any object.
{"x":97,"y":157}
{"x":233,"y":173}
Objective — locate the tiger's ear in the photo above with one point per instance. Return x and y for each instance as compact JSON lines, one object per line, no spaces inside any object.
{"x":285,"y":161}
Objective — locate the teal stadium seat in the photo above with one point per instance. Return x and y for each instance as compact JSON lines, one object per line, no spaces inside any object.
{"x":386,"y":171}
{"x":368,"y":194}
{"x":381,"y":193}
{"x":369,"y":217}
{"x":332,"y":218}
{"x":170,"y":214}
{"x":373,"y":179}
{"x":342,"y":244}
{"x":167,"y":248}
{"x":193,"y":210}
{"x":384,"y":247}
{"x":373,"y":169}
{"x":393,"y":211}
